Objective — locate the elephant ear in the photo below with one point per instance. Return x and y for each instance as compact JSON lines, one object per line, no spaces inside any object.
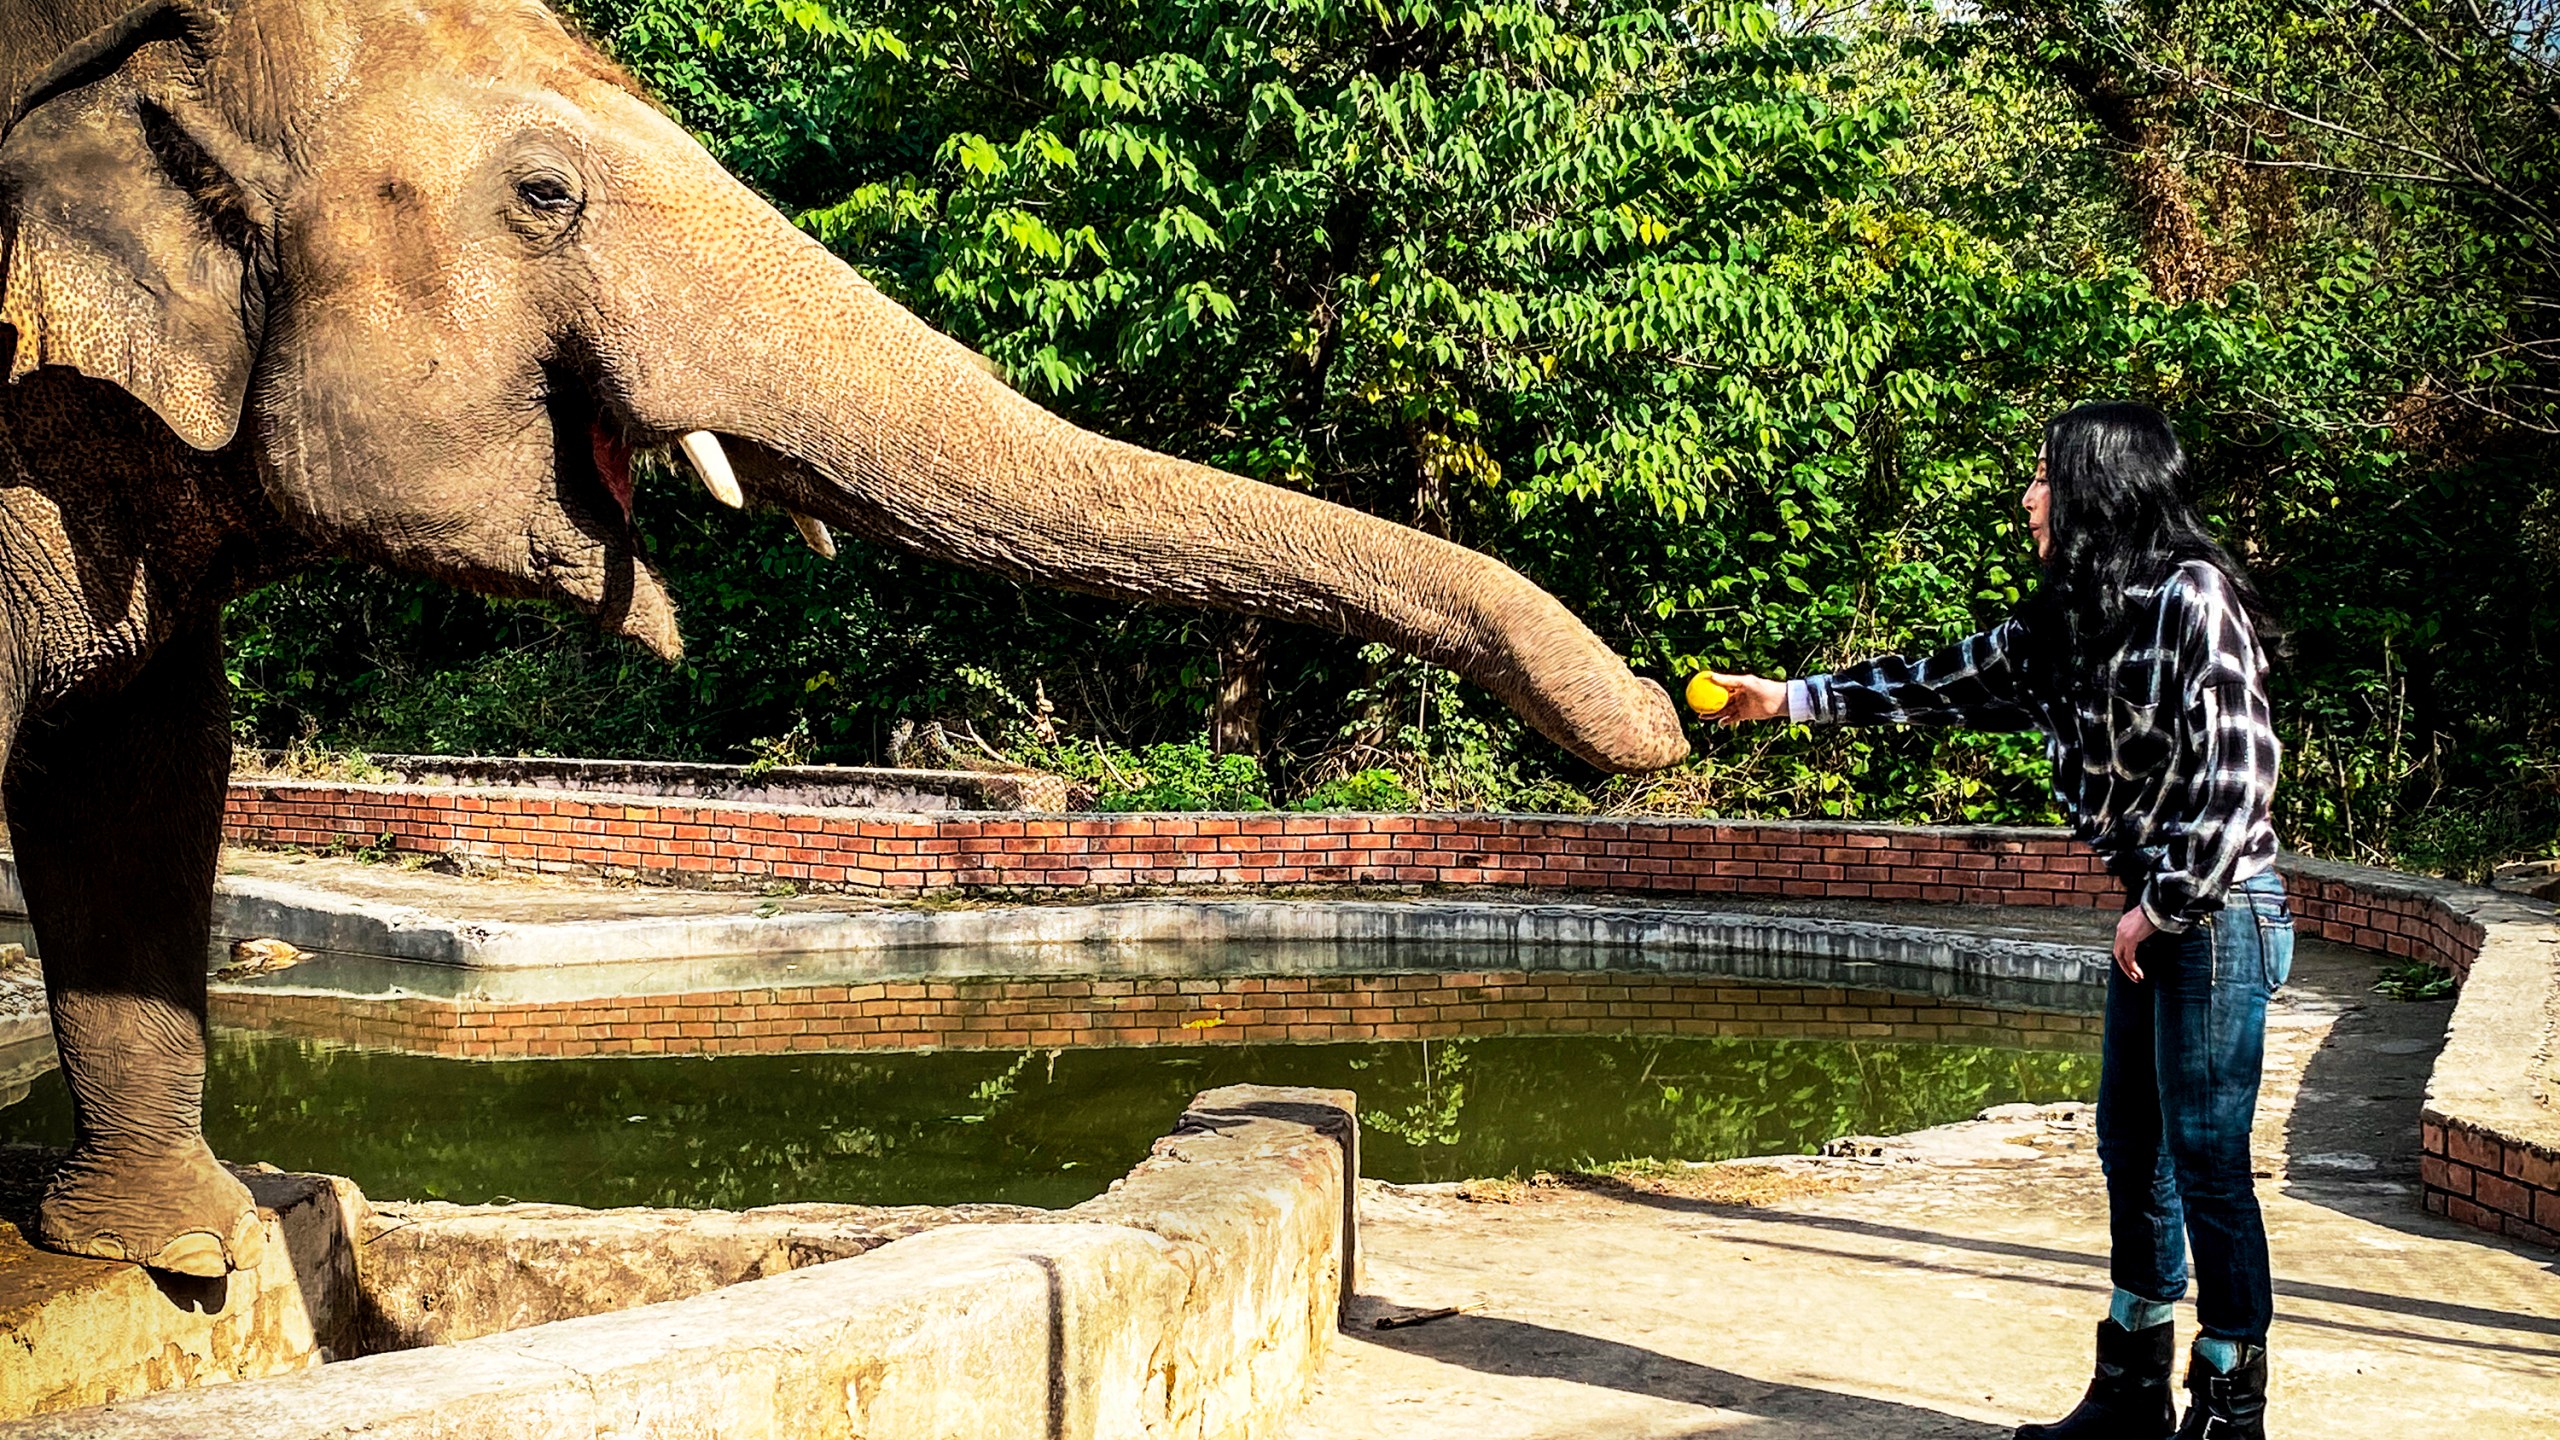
{"x":126,"y":242}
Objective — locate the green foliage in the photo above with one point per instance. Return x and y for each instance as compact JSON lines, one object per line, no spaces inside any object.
{"x":1731,"y":324}
{"x":2374,"y":386}
{"x":1372,"y":790}
{"x":1169,"y":775}
{"x":1185,"y":777}
{"x":774,"y":752}
{"x":304,"y":762}
{"x":2416,"y":980}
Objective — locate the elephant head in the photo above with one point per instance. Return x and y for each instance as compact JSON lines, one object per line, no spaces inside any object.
{"x":432,"y":271}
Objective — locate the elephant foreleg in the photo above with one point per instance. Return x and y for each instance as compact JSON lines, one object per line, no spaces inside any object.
{"x":115,"y":808}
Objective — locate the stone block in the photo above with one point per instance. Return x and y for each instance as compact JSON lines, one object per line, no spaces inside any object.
{"x":77,"y":1332}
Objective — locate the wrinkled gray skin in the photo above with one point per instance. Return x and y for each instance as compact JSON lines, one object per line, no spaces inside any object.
{"x":407,"y":282}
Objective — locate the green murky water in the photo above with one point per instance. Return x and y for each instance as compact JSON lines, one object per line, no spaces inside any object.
{"x":1041,"y":1127}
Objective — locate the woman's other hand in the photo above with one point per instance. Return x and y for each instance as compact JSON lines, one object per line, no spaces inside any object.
{"x":2134,"y":928}
{"x":1754,"y":698}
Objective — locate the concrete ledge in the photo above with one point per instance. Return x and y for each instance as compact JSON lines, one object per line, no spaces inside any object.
{"x":1124,"y":936}
{"x":590,"y":958}
{"x":436,"y":1274}
{"x":26,"y":1051}
{"x":77,"y":1332}
{"x":343,"y":1278}
{"x":1194,"y":1300}
{"x":855,"y":787}
{"x":2490,"y":1130}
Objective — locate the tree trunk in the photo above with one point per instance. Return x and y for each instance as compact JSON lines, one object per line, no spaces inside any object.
{"x":1235,"y":713}
{"x":2178,"y":255}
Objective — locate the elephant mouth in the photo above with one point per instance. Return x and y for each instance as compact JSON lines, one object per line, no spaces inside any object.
{"x":593,"y":448}
{"x":595,"y":444}
{"x":610,"y":452}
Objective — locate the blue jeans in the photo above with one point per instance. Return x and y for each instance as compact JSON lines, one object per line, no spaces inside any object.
{"x":2177,"y":1089}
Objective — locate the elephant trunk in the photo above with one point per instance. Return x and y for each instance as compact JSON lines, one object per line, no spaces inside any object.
{"x":895,"y":432}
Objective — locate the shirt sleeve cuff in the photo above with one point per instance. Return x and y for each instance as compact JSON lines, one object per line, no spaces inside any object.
{"x":2160,"y":920}
{"x":1800,"y":701}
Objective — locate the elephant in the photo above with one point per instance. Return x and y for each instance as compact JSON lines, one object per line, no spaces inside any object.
{"x":411,"y":282}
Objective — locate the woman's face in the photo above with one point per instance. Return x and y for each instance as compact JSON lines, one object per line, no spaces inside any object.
{"x":2039,"y":503}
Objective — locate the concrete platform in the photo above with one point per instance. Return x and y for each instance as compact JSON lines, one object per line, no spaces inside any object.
{"x":1194,"y":1299}
{"x":347,"y":908}
{"x":1947,"y":1285}
{"x":79,"y":1332}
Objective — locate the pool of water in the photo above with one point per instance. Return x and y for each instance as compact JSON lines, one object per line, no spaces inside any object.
{"x":1043,"y":1126}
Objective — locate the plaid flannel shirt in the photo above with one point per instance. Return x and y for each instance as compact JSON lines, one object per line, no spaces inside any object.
{"x":2166,"y":770}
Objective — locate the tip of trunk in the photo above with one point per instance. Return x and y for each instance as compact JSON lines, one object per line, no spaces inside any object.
{"x":1641,"y":735}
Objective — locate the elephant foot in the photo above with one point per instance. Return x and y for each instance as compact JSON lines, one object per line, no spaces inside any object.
{"x":182,"y":1213}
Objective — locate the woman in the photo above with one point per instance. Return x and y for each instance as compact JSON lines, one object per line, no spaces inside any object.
{"x":2142,"y":659}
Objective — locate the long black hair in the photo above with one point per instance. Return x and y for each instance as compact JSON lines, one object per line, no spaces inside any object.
{"x":2121,"y":519}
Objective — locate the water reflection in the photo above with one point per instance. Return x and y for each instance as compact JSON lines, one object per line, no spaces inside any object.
{"x":1042,"y":1127}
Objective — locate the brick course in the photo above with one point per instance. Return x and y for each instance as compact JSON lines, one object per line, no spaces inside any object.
{"x":663,"y":841}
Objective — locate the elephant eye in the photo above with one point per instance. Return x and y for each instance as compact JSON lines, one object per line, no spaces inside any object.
{"x":547,"y":192}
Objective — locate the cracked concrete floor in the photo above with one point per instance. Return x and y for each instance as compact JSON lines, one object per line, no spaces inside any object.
{"x":1949,"y":1287}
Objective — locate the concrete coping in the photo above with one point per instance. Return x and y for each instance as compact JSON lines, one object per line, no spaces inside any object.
{"x":2497,"y":1072}
{"x":890,"y":789}
{"x":895,"y":942}
{"x":1196,"y":1298}
{"x":1157,"y":937}
{"x":2498,"y":1064}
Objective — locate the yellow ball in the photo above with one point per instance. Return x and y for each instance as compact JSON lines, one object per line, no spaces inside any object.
{"x":1706,"y":696}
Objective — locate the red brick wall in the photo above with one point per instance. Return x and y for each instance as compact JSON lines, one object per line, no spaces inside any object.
{"x":697,"y":843}
{"x":694,"y":843}
{"x":2475,"y":1177}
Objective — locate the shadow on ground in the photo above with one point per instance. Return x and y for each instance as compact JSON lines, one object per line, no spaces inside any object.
{"x":2351,"y":1143}
{"x":2095,"y":1264}
{"x":1496,"y":1346}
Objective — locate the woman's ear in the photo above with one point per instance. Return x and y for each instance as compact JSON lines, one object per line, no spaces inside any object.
{"x":131,"y":232}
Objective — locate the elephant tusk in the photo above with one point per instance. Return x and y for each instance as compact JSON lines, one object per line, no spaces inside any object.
{"x":814,"y":531}
{"x":711,"y":464}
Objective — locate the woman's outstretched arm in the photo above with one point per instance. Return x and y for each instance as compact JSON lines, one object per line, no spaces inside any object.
{"x":1976,"y":682}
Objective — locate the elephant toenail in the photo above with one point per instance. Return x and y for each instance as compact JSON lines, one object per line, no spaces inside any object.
{"x":195,"y":1253}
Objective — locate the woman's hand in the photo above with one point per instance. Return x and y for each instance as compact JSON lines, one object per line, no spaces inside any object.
{"x":1754,"y":698}
{"x":2131,"y":931}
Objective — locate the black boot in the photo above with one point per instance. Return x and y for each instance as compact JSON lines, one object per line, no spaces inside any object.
{"x":2128,"y":1399}
{"x":2227,"y":1407}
